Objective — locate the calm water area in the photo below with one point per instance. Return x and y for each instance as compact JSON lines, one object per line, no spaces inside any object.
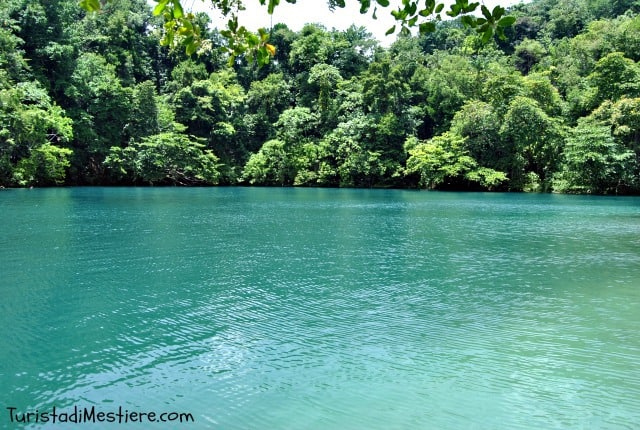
{"x":269,"y":308}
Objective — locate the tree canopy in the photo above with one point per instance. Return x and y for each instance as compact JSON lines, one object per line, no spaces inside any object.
{"x":94,"y":98}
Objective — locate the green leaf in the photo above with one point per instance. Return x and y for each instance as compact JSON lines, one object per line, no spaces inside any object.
{"x":402,"y":15}
{"x":390,"y":31}
{"x":429,"y":6}
{"x":168,"y":39}
{"x":263,"y":56}
{"x":486,"y":13}
{"x":364,"y":5}
{"x":427,"y":27}
{"x":383,"y":3}
{"x":191,"y":48}
{"x":507,"y":21}
{"x":439,"y":8}
{"x":232,"y":24}
{"x":455,"y":10}
{"x":498,"y":12}
{"x":178,"y":12}
{"x":468,"y":21}
{"x":486,"y":36}
{"x":252,"y":39}
{"x":272,"y":6}
{"x":90,"y":5}
{"x":483,"y":27}
{"x":471,"y":8}
{"x":160,"y":7}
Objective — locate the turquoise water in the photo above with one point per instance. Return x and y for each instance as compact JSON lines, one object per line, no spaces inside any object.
{"x":320,"y":308}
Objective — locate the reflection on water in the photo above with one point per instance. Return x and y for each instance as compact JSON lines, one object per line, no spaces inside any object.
{"x":315,"y":308}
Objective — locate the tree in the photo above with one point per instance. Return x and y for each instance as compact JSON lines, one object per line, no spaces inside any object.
{"x":627,"y":35}
{"x":615,"y":76}
{"x":212,"y":109}
{"x":479,"y":124}
{"x":46,"y":165}
{"x":528,"y":53}
{"x":166,"y":159}
{"x":613,"y":8}
{"x":446,"y":84}
{"x":538,"y":87}
{"x":13,"y":65}
{"x":535,"y":144}
{"x":184,"y":74}
{"x":347,"y":156}
{"x":266,"y":100}
{"x":443,"y":162}
{"x":121,"y":35}
{"x":310,"y":47}
{"x":567,"y":18}
{"x":594,"y":162}
{"x":625,"y":121}
{"x":271,"y":165}
{"x":326,"y":78}
{"x":100,"y":108}
{"x":500,"y":87}
{"x":33,"y":133}
{"x":44,"y":28}
{"x":448,"y":36}
{"x":351,"y":50}
{"x":279,"y":160}
{"x":383,"y":89}
{"x":297,"y":125}
{"x":144,"y":112}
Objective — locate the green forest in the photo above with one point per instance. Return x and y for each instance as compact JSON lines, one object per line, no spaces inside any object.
{"x":95,"y":99}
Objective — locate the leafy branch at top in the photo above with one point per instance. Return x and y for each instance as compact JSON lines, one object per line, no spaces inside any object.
{"x":180,"y":28}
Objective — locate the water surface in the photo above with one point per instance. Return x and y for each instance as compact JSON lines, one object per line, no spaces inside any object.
{"x":322,"y":309}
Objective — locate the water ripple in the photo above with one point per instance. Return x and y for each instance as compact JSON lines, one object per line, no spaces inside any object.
{"x":291,"y":309}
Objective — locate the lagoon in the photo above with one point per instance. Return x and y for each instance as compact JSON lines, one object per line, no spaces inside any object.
{"x":287,"y":308}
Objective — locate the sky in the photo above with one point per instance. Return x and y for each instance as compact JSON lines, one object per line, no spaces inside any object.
{"x":316,"y":11}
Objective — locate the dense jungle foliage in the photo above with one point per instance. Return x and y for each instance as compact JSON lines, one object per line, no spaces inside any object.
{"x":93,"y":98}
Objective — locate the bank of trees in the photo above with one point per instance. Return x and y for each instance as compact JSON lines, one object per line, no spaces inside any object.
{"x":95,"y":99}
